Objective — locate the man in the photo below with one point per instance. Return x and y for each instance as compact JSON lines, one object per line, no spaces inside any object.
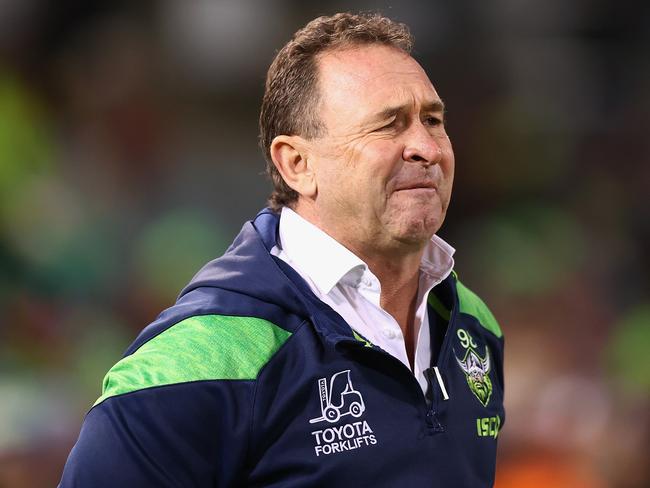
{"x":332,"y":345}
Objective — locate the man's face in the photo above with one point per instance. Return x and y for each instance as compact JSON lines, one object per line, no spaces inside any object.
{"x":384,"y":167}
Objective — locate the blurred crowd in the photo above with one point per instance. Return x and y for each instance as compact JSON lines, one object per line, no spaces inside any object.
{"x":129,"y":157}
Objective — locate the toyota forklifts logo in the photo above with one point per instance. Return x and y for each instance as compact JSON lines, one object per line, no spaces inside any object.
{"x":339,"y":399}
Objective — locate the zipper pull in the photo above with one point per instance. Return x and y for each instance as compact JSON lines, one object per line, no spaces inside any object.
{"x":441,"y":383}
{"x":430,"y":374}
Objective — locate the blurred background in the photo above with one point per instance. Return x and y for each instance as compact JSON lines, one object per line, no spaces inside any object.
{"x":128,"y":158}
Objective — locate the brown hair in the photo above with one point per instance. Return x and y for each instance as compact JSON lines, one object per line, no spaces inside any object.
{"x":291,"y":93}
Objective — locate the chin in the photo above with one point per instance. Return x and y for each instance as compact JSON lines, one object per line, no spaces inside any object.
{"x":414,"y":223}
{"x":417,"y":231}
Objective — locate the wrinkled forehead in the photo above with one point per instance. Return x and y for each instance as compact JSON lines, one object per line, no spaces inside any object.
{"x":358,"y":78}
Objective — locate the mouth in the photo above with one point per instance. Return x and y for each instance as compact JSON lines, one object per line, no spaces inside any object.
{"x":418,"y":186}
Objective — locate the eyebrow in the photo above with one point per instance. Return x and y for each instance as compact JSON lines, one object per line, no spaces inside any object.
{"x":433,"y":106}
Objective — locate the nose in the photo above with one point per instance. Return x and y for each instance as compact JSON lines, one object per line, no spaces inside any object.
{"x":421,"y":147}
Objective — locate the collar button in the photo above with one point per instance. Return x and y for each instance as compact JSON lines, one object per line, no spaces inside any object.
{"x":388,"y":333}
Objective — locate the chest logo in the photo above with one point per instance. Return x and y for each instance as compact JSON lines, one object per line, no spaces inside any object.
{"x":339,"y":399}
{"x":475,"y":367}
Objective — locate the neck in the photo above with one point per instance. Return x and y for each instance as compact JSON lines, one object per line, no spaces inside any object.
{"x":399,"y":280}
{"x":394,"y":263}
{"x":397,"y":267}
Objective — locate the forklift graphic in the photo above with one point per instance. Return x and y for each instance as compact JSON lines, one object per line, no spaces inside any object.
{"x":340,"y":399}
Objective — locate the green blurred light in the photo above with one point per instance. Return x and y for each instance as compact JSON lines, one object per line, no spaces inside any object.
{"x":26,"y":145}
{"x":171,"y":249}
{"x":629,"y":350}
{"x":529,"y":250}
{"x":64,"y":246}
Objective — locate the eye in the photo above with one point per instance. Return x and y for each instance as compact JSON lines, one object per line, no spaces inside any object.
{"x":432,"y":121}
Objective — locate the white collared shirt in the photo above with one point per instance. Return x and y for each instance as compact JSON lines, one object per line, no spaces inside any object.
{"x":344,"y":282}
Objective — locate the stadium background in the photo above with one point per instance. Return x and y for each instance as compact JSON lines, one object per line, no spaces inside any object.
{"x":128,"y":157}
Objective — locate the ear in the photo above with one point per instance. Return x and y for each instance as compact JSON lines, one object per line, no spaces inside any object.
{"x":289,"y":155}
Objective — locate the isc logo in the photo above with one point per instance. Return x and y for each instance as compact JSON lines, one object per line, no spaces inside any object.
{"x":488,"y":426}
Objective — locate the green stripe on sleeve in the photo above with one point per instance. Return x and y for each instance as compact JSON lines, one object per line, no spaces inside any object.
{"x":206,"y":347}
{"x":471,"y":304}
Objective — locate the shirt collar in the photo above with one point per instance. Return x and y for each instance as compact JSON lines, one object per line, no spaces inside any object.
{"x":327,"y":262}
{"x":437,"y":260}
